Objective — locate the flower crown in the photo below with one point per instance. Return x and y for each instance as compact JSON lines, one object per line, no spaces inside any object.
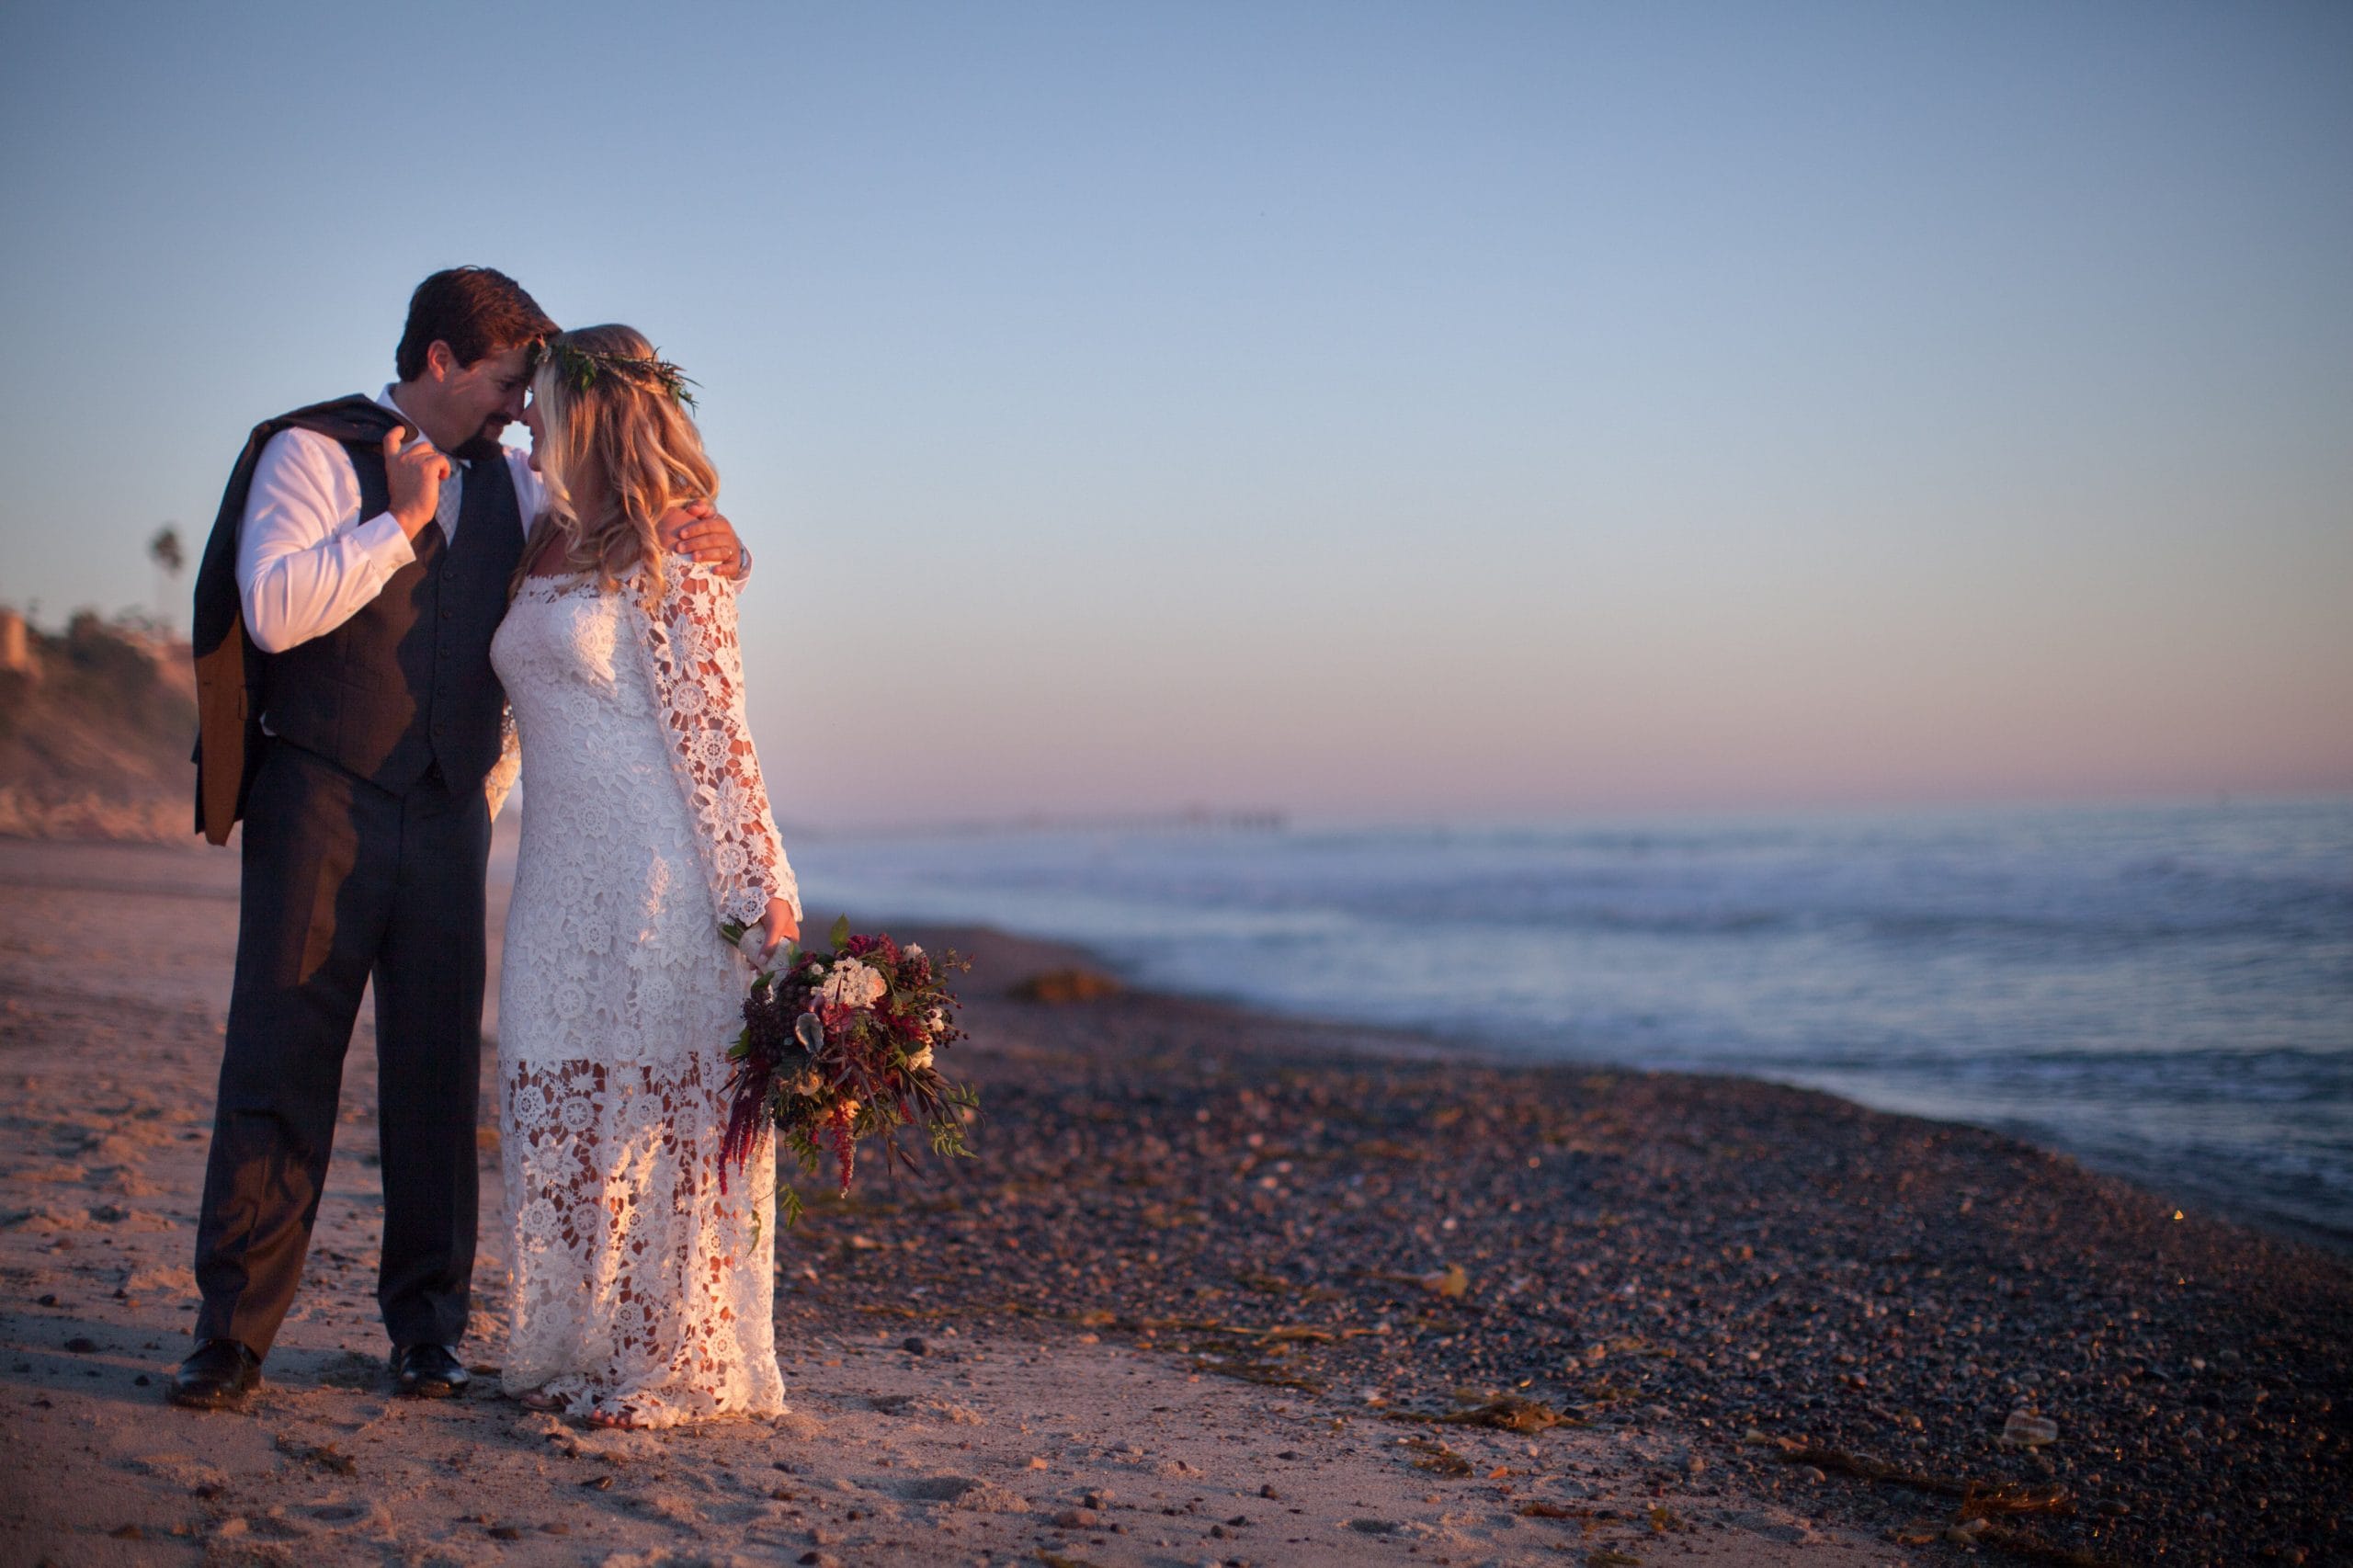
{"x":580,"y":367}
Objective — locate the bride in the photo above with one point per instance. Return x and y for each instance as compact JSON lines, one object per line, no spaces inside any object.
{"x":642,"y":1292}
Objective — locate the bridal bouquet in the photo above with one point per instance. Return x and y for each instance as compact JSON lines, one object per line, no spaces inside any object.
{"x":838,"y":1044}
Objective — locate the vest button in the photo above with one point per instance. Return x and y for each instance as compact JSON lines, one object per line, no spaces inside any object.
{"x":449,"y":615}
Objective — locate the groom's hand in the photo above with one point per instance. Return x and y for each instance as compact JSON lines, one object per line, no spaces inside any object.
{"x":699,"y":530}
{"x":415,"y":477}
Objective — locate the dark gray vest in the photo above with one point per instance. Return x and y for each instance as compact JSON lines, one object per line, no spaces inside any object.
{"x":406,"y":683}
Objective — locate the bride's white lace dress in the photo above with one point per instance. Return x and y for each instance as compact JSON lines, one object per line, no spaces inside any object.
{"x":639,"y":1288}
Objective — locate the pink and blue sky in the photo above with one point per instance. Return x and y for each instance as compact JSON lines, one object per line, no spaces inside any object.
{"x":1357,"y":409}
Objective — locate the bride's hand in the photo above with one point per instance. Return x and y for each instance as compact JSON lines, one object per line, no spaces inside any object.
{"x":780,"y":926}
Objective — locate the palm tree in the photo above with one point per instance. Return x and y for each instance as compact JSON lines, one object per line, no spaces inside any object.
{"x":164,"y":550}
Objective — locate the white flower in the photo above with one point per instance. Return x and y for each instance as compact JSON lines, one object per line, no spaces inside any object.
{"x":920,"y":1060}
{"x":913,"y":951}
{"x":853,"y":984}
{"x":936,"y":1024}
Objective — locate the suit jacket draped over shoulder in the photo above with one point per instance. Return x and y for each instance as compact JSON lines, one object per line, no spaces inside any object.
{"x":228,"y":663}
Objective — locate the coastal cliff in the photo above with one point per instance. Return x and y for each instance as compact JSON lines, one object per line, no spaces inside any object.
{"x":95,"y":726}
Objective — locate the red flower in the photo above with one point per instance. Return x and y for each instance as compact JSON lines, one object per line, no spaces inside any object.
{"x":845,"y":1146}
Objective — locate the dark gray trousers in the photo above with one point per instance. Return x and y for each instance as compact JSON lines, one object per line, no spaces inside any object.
{"x":343,"y":881}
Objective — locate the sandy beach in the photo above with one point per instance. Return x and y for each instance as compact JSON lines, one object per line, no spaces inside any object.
{"x":1220,"y":1288}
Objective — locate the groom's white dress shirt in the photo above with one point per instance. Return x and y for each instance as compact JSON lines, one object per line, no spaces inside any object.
{"x":306,"y":559}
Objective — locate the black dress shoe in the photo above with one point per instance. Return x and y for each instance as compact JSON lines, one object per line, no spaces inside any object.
{"x":218,"y":1377}
{"x":429,"y":1372}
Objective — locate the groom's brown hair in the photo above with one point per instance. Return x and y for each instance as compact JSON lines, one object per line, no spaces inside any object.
{"x":477,"y":310}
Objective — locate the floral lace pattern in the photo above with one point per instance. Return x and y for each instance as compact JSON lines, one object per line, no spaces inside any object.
{"x":638,"y":1289}
{"x":642,"y":1291}
{"x":697,"y":670}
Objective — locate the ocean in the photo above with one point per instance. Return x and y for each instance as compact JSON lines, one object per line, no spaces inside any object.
{"x":2166,"y":992}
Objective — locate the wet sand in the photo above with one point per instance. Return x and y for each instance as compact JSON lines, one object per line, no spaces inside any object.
{"x":1220,"y":1288}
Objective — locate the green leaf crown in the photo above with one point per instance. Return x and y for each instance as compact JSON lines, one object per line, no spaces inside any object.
{"x":580,"y":367}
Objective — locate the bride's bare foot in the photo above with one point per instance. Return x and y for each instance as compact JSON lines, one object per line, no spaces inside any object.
{"x":540,"y":1399}
{"x":621,"y":1419}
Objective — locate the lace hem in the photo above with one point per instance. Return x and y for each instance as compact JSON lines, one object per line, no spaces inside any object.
{"x":638,"y":1289}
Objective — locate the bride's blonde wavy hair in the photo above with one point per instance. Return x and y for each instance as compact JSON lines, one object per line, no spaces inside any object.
{"x":616,"y":453}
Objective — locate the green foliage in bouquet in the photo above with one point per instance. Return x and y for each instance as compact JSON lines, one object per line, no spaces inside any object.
{"x":840,"y":1044}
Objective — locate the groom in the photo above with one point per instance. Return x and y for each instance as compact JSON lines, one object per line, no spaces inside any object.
{"x":356,"y":570}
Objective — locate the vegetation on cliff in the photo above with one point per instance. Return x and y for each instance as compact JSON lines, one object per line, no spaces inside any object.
{"x":95,"y":726}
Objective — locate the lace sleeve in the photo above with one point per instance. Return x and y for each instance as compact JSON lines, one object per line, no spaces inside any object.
{"x":698,"y":675}
{"x":503,"y":772}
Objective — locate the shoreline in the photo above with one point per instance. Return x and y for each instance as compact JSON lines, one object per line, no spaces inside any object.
{"x":2173,"y":1186}
{"x":2151,"y":989}
{"x":1768,"y":1265}
{"x":1204,"y":1251}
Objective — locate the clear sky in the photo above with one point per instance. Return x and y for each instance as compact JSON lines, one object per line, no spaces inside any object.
{"x":1359,"y":409}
